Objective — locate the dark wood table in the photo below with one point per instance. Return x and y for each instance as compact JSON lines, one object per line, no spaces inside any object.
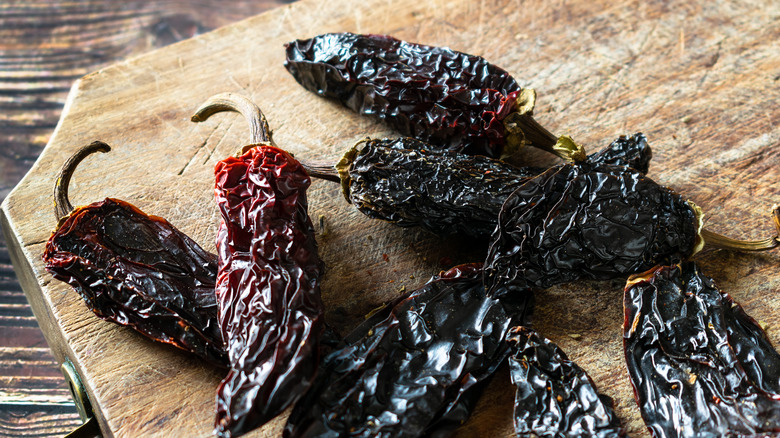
{"x":44,"y":47}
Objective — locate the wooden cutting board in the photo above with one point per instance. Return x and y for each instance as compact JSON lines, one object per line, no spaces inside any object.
{"x":700,"y":79}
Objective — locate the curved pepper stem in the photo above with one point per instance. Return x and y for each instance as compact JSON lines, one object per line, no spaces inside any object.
{"x":521,"y":129}
{"x":259,"y":130}
{"x":718,"y":241}
{"x":62,"y":205}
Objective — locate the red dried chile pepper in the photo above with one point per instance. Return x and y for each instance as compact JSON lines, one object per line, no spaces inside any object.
{"x":699,"y":365}
{"x":555,"y":397}
{"x":405,"y":182}
{"x":268,"y":285}
{"x":447,"y":98}
{"x":136,"y":270}
{"x":585,"y":221}
{"x":415,"y":368}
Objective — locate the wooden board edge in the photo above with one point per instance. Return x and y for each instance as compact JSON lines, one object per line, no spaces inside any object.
{"x":32,"y":289}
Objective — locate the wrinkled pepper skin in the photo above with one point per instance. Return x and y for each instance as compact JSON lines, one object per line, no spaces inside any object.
{"x":630,"y":151}
{"x":447,"y":193}
{"x":415,"y":368}
{"x":140,"y":271}
{"x":555,"y":397}
{"x":404,"y":182}
{"x":583,"y":221}
{"x":268,"y":290}
{"x":443,"y":97}
{"x":699,"y":365}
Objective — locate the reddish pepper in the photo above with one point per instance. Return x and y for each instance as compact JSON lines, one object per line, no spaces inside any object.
{"x":268,"y":291}
{"x":135,"y":269}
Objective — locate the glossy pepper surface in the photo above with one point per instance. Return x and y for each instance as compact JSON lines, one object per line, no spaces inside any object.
{"x":447,"y":98}
{"x":268,"y":284}
{"x":414,"y":368}
{"x":555,"y":397}
{"x":136,"y":270}
{"x":699,"y":365}
{"x":405,"y":182}
{"x":585,"y":221}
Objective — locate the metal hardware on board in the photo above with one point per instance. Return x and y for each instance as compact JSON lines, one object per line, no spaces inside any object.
{"x":90,"y":428}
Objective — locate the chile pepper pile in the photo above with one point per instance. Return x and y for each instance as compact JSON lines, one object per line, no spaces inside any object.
{"x":418,"y":365}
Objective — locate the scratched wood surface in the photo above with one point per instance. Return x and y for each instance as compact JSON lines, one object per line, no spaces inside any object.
{"x":700,"y":80}
{"x":45,"y":45}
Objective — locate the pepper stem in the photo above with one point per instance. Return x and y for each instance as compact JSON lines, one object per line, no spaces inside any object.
{"x":567,"y":149}
{"x":522,"y":129}
{"x":716,"y":240}
{"x":62,"y":205}
{"x":259,"y":130}
{"x":340,"y":171}
{"x":321,"y":171}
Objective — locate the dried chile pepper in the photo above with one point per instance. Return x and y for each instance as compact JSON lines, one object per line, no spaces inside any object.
{"x":414,"y":368}
{"x":699,"y":365}
{"x":268,"y":283}
{"x":447,"y":98}
{"x":586,"y":221}
{"x":135,"y":269}
{"x":555,"y":397}
{"x":405,"y":182}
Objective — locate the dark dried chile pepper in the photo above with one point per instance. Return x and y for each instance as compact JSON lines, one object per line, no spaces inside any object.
{"x":585,"y":221}
{"x":136,"y":270}
{"x":415,"y":367}
{"x":404,"y":182}
{"x":699,"y":365}
{"x":268,"y":285}
{"x":447,"y":98}
{"x":555,"y":397}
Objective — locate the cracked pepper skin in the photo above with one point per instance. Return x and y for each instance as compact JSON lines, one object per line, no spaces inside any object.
{"x":699,"y":365}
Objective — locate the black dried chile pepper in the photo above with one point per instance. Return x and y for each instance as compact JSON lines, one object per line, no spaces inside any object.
{"x":416,"y":367}
{"x":699,"y":365}
{"x":446,"y":98}
{"x":135,"y":269}
{"x":268,"y":283}
{"x":595,"y":221}
{"x":555,"y":397}
{"x":405,"y":182}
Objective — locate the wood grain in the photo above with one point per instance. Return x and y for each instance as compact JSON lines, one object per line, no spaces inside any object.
{"x":700,"y":80}
{"x":44,"y":47}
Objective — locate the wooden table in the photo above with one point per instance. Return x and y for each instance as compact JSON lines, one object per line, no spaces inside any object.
{"x":45,"y":45}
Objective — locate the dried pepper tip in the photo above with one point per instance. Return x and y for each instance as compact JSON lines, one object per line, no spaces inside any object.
{"x":259,"y":130}
{"x":718,"y":241}
{"x":62,"y":205}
